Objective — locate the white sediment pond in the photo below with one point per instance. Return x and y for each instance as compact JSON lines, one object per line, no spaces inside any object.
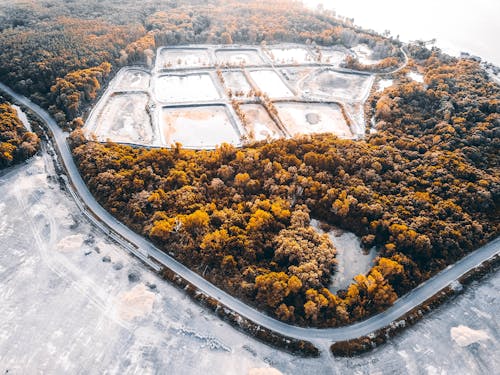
{"x":270,"y":83}
{"x":260,"y":125}
{"x":238,"y":57}
{"x":132,"y":80}
{"x":192,"y":96}
{"x":124,"y":118}
{"x":351,"y":258}
{"x":290,"y":55}
{"x":313,"y":118}
{"x":185,"y":88}
{"x":199,"y":127}
{"x":183,"y":58}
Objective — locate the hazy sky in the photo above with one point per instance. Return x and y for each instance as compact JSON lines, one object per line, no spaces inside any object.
{"x":458,"y":25}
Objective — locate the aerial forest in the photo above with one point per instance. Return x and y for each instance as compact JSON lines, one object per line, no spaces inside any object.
{"x":423,"y":189}
{"x":16,"y":142}
{"x":61,"y":53}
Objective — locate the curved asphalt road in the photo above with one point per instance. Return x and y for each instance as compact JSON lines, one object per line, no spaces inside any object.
{"x":314,"y":335}
{"x":402,"y":66}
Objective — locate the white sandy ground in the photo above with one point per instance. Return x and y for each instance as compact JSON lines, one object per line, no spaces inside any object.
{"x":61,"y":310}
{"x":124,"y":119}
{"x":340,"y":86}
{"x":464,"y":336}
{"x":137,"y":302}
{"x":70,"y":243}
{"x":332,"y":57}
{"x":260,"y":124}
{"x":130,"y":111}
{"x":5,"y":226}
{"x":357,"y":115}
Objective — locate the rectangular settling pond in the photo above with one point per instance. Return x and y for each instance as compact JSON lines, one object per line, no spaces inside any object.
{"x":260,"y":126}
{"x":236,"y":82}
{"x":313,"y":118}
{"x":177,"y":58}
{"x":198,"y":127}
{"x":178,"y":88}
{"x":342,"y":86}
{"x":238,"y":57}
{"x":133,"y":80}
{"x":270,"y":83}
{"x":125,"y":119}
{"x":290,"y":55}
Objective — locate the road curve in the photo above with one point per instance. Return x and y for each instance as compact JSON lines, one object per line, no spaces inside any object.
{"x":405,"y":62}
{"x":314,"y":335}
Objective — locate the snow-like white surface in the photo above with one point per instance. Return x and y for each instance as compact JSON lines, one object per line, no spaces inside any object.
{"x":290,"y":55}
{"x":417,"y":77}
{"x":332,"y":57}
{"x":464,"y":336}
{"x":23,"y":117}
{"x":183,"y":58}
{"x":5,"y":225}
{"x":236,"y":57}
{"x":364,"y":54}
{"x":70,"y":243}
{"x":132,"y":109}
{"x":384,"y":83}
{"x":271,"y":84}
{"x":351,"y":258}
{"x":60,"y":311}
{"x":341,"y":86}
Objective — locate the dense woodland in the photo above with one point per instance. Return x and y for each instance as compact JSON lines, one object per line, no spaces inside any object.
{"x":424,"y":190}
{"x":16,"y":143}
{"x":60,"y":53}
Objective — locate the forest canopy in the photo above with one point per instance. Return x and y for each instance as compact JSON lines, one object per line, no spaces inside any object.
{"x":16,"y":142}
{"x":424,"y":190}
